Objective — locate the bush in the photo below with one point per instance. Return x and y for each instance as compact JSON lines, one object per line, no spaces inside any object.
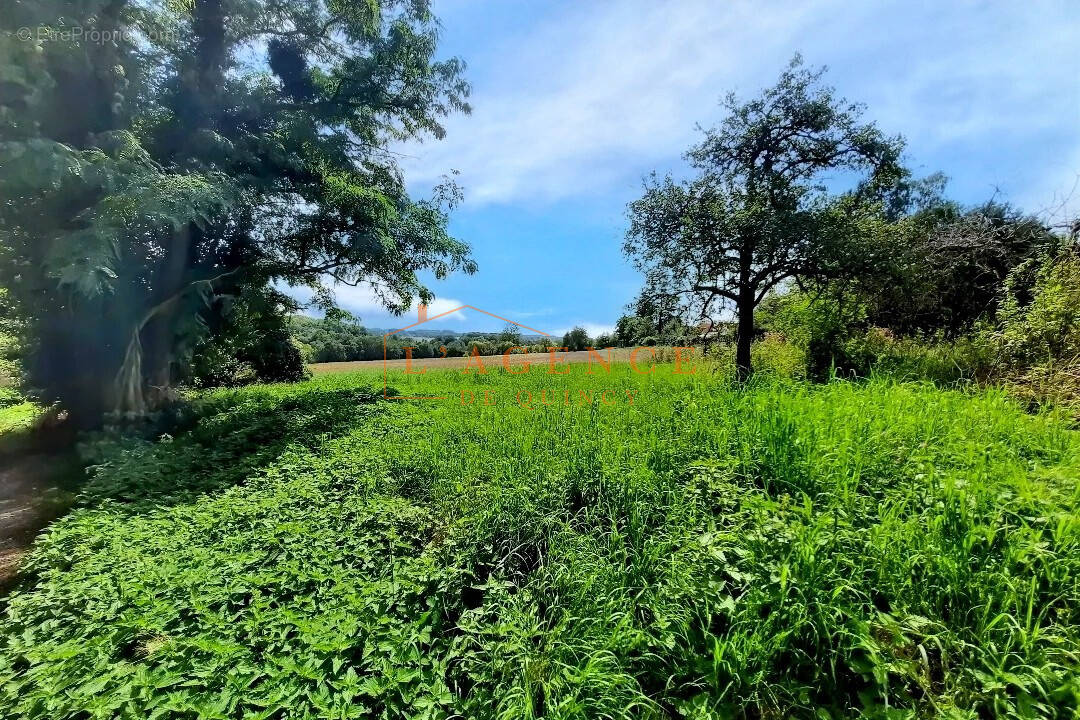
{"x":944,"y":362}
{"x":605,"y":340}
{"x":218,"y":365}
{"x":1048,"y":328}
{"x":774,"y":355}
{"x":820,"y":326}
{"x":457,"y":349}
{"x":1039,"y":342}
{"x":249,"y":341}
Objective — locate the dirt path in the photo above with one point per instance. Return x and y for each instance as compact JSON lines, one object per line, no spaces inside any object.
{"x":35,"y":489}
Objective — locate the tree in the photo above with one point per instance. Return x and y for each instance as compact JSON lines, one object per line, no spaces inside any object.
{"x":510,"y":335}
{"x":633,"y":330}
{"x":759,"y":211}
{"x":604,"y":340}
{"x":656,"y":320}
{"x":948,"y":268}
{"x":215,"y":145}
{"x":576,"y":339}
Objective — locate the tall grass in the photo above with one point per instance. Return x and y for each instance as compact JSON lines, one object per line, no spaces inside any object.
{"x":880,"y":549}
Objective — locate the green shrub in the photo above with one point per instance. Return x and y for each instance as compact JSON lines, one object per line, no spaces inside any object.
{"x":966,"y":359}
{"x":249,"y":341}
{"x":1047,"y":329}
{"x":775,"y":355}
{"x":822,"y":327}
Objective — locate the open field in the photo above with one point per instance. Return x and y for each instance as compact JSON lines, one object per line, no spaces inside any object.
{"x":885,"y":549}
{"x":617,"y":355}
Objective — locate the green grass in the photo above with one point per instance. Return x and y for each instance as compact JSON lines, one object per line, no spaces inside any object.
{"x":840,"y":550}
{"x":18,"y":416}
{"x":17,"y":413}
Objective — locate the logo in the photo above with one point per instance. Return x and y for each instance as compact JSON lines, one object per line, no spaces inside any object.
{"x":518,"y":359}
{"x":422,"y":318}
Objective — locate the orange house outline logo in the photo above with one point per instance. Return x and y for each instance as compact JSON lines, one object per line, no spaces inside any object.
{"x":422,"y":317}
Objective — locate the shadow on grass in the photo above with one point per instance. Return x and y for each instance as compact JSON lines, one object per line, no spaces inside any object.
{"x":219,"y":442}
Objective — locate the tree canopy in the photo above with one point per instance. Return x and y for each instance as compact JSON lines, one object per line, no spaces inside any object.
{"x":207,"y":147}
{"x":950,"y":264}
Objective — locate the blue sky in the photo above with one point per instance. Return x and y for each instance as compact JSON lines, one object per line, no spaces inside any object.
{"x":575,"y":101}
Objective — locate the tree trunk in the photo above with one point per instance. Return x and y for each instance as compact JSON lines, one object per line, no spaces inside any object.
{"x":144,"y":381}
{"x":744,"y":306}
{"x":75,"y":354}
{"x":159,"y":342}
{"x":745,"y":334}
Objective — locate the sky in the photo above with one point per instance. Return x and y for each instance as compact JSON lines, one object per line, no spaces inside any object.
{"x":575,"y":101}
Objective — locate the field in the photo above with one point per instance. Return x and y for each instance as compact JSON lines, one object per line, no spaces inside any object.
{"x":612,"y":545}
{"x":515,"y":359}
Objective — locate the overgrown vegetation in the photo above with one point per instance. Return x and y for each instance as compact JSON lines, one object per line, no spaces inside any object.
{"x":878,"y":549}
{"x":1030,"y":344}
{"x":17,"y":412}
{"x":880,"y":270}
{"x":862,"y":503}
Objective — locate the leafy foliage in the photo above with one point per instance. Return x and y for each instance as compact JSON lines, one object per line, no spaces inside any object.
{"x":1048,"y":326}
{"x":1029,"y":344}
{"x":841,"y":550}
{"x":576,"y":339}
{"x":944,"y":268}
{"x":1039,"y":342}
{"x":334,"y":339}
{"x":250,"y":341}
{"x":215,"y":148}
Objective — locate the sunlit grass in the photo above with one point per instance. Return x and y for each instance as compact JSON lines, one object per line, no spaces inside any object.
{"x":19,"y":416}
{"x":703,"y":551}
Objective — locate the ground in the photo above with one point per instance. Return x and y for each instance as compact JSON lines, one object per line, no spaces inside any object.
{"x":707,"y":550}
{"x":34,"y":490}
{"x":39,"y":473}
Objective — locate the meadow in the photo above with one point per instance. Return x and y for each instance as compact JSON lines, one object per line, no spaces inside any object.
{"x":880,"y":548}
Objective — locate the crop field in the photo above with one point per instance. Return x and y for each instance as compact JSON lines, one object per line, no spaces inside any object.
{"x":613,"y":545}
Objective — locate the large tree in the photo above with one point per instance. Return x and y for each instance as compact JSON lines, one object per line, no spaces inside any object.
{"x":788,"y":186}
{"x":200,"y":147}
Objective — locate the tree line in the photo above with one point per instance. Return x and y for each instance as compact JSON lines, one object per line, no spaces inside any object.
{"x":340,"y":337}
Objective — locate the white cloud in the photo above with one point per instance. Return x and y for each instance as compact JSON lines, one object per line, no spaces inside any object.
{"x":585,"y":102}
{"x":1055,"y":193}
